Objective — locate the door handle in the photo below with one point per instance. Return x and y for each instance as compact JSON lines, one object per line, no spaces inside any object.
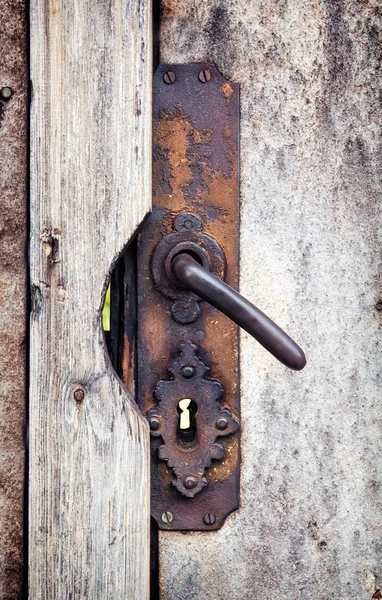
{"x":202,"y":282}
{"x":188,"y":266}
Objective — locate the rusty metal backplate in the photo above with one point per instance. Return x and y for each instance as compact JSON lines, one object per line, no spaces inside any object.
{"x":195,"y":170}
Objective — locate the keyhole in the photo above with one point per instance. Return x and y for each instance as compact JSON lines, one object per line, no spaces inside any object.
{"x":187,"y":410}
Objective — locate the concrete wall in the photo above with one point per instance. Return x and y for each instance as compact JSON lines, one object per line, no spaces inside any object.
{"x":310,"y":519}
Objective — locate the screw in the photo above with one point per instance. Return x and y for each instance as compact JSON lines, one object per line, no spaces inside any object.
{"x":378,"y":306}
{"x":188,"y":372}
{"x":167,"y":516}
{"x":204,"y":75}
{"x":222,"y":423}
{"x":209,"y":519}
{"x":79,"y":395}
{"x":154,"y":423}
{"x":6,"y":93}
{"x":190,"y":482}
{"x":169,"y":77}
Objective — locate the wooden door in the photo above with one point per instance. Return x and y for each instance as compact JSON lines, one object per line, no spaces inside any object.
{"x":309,"y":522}
{"x":90,"y":135}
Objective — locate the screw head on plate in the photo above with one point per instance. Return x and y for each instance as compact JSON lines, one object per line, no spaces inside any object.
{"x":6,"y":93}
{"x":209,"y":519}
{"x":188,"y":371}
{"x":154,"y":423}
{"x":378,"y":306}
{"x":222,"y":423}
{"x":167,"y":516}
{"x":169,"y":77}
{"x":204,"y":75}
{"x":190,"y":482}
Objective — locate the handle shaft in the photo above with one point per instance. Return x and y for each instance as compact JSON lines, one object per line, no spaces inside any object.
{"x":212,"y":289}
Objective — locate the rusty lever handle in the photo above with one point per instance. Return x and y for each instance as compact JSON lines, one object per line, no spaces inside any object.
{"x":212,"y":289}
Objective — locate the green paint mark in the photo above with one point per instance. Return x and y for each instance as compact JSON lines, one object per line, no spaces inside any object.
{"x":106,"y":311}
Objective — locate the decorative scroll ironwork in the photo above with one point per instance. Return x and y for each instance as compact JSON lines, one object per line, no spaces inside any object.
{"x":190,"y":453}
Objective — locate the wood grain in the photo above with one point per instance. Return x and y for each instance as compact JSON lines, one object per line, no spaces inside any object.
{"x":90,"y":188}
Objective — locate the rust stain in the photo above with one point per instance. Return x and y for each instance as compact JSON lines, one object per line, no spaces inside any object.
{"x":201,"y":137}
{"x":127,"y":364}
{"x":224,"y":471}
{"x":172,"y":135}
{"x":227,"y":90}
{"x":169,"y":7}
{"x":177,"y":140}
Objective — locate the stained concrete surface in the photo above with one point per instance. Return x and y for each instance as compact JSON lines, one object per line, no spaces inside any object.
{"x":309,"y":525}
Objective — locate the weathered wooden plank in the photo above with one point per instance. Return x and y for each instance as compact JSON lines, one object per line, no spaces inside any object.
{"x":13,"y":293}
{"x":310,"y":77}
{"x":91,"y":66}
